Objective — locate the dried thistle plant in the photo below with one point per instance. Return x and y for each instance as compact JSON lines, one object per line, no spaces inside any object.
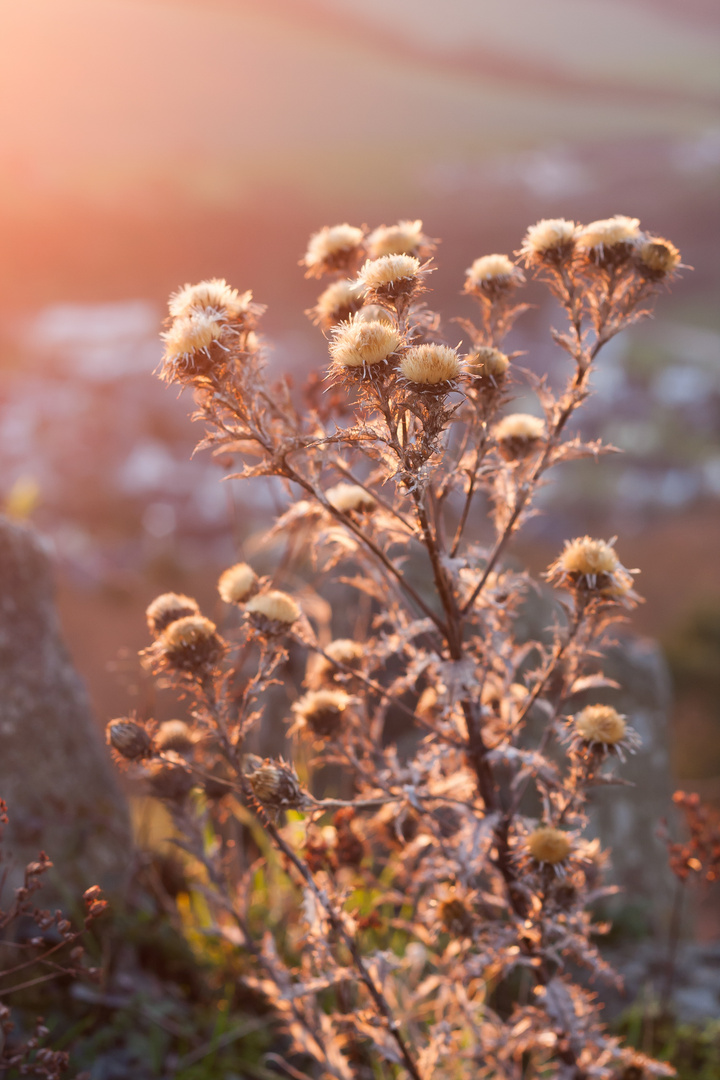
{"x":457,"y":865}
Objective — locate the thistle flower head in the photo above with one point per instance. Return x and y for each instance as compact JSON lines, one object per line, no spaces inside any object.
{"x":345,"y":651}
{"x":129,"y":739}
{"x":275,"y":784}
{"x":188,"y":343}
{"x":237,"y":583}
{"x":375,"y":313}
{"x":592,"y":566}
{"x":455,"y":916}
{"x":430,"y":366}
{"x":600,"y":724}
{"x":492,"y":274}
{"x":339,"y":301}
{"x":519,"y":435}
{"x":549,"y":241}
{"x":213,"y":296}
{"x":549,"y":845}
{"x":347,"y":498}
{"x":600,"y":237}
{"x":359,"y":344}
{"x":175,"y":735}
{"x":658,"y":258}
{"x":167,"y":608}
{"x":321,"y":711}
{"x":332,"y":248}
{"x":486,"y":366}
{"x":390,"y":277}
{"x":273,"y":607}
{"x":190,"y":644}
{"x":405,"y":238}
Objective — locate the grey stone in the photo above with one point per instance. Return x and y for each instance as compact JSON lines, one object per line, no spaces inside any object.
{"x":55,"y":772}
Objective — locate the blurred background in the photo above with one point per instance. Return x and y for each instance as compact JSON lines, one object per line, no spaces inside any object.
{"x":149,"y":143}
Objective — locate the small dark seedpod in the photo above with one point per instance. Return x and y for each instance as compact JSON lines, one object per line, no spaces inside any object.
{"x":350,"y":847}
{"x":167,"y":608}
{"x":129,"y":739}
{"x":275,"y":784}
{"x":170,"y":779}
{"x":455,"y":917}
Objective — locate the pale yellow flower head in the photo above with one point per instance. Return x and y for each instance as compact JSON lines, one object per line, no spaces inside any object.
{"x":491,"y":274}
{"x":600,"y":724}
{"x":430,"y":365}
{"x":405,"y":238}
{"x":338,"y":302}
{"x":237,"y":583}
{"x":350,"y":497}
{"x":359,"y":344}
{"x":167,"y":608}
{"x":658,"y":257}
{"x":587,"y":556}
{"x":609,"y":232}
{"x":390,"y":274}
{"x":330,"y":248}
{"x":486,"y":364}
{"x":190,"y":335}
{"x":518,"y":435}
{"x":213,"y":295}
{"x":548,"y":240}
{"x":549,"y":845}
{"x":275,"y":606}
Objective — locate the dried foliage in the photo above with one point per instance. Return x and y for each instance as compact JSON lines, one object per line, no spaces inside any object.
{"x":54,"y":950}
{"x":439,"y":917}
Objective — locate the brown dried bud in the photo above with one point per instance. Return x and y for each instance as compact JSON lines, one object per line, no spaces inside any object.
{"x":455,"y":917}
{"x":129,"y":739}
{"x":175,"y":735}
{"x":321,"y":711}
{"x":170,"y":779}
{"x":191,"y":643}
{"x":275,"y":784}
{"x":167,"y":608}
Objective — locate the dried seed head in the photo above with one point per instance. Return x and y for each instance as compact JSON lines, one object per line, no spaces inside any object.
{"x":170,"y":779}
{"x":429,"y":366}
{"x":188,"y":345}
{"x":593,"y":566}
{"x":332,"y":248}
{"x":129,"y":739}
{"x":346,"y":651}
{"x":237,"y":583}
{"x":519,"y":435}
{"x":600,"y":237}
{"x":658,"y":258}
{"x":322,"y":711}
{"x":492,"y":274}
{"x":190,"y":644}
{"x":375,"y":313}
{"x":405,"y":238}
{"x":600,"y":724}
{"x":213,"y":296}
{"x":275,"y":784}
{"x":347,"y":498}
{"x":486,"y":366}
{"x":549,"y":845}
{"x":360,"y":344}
{"x":321,"y":669}
{"x":390,"y":277}
{"x":167,"y":608}
{"x":455,"y":916}
{"x":339,"y":301}
{"x":175,"y":735}
{"x":273,"y":607}
{"x":549,"y":241}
